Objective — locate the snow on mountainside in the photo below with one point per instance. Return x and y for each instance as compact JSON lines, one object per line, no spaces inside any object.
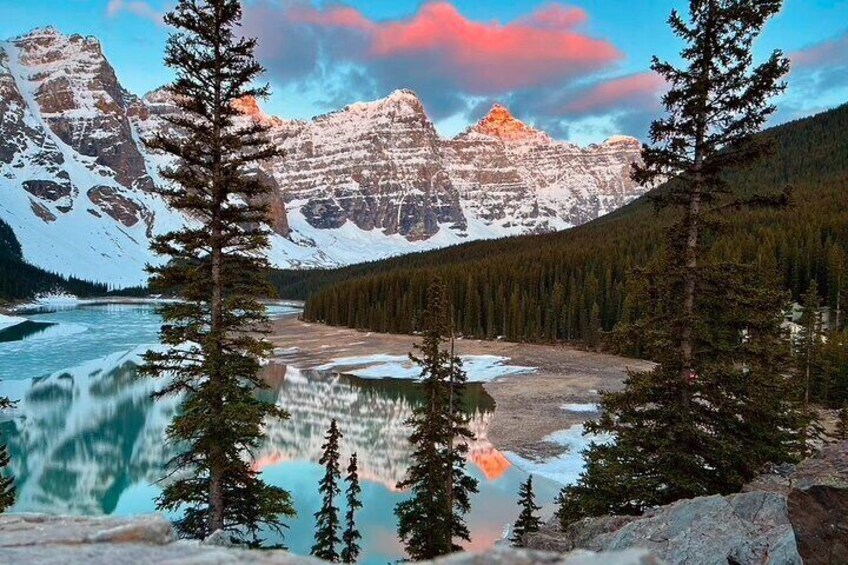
{"x":368,"y":181}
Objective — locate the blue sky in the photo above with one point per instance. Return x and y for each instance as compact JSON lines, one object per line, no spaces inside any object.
{"x":578,"y":69}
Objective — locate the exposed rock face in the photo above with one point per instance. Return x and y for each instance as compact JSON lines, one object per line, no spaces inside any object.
{"x":377,"y":165}
{"x":80,"y":100}
{"x":791,"y":515}
{"x":513,"y":176}
{"x":35,"y":538}
{"x":368,"y":181}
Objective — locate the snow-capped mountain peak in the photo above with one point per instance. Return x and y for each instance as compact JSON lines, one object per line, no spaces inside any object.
{"x":370,"y":180}
{"x":500,"y":123}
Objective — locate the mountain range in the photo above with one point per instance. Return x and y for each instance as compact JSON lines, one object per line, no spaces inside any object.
{"x":374,"y":179}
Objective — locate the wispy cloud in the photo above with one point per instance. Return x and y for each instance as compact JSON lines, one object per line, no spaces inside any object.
{"x":134,"y":7}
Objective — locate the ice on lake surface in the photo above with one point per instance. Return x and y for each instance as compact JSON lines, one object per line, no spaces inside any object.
{"x":86,"y":438}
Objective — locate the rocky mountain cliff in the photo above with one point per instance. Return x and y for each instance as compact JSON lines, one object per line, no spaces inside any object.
{"x":371,"y":180}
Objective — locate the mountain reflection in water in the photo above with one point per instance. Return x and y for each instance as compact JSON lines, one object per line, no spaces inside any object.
{"x":90,"y":441}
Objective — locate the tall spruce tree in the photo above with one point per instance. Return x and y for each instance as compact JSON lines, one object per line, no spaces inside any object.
{"x":351,"y":536}
{"x":7,"y":481}
{"x":528,"y":521}
{"x":327,"y":526}
{"x":809,"y":340}
{"x":432,"y":518}
{"x":717,"y":406}
{"x":212,"y":335}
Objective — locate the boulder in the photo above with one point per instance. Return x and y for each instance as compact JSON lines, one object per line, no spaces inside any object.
{"x":790,"y":514}
{"x":818,"y":506}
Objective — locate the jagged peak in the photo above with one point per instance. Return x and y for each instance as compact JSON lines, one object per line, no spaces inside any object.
{"x":54,"y":34}
{"x":249,"y":106}
{"x":41,"y":32}
{"x":399,"y":103}
{"x":621,"y":140}
{"x":397,"y":98}
{"x":500,"y":123}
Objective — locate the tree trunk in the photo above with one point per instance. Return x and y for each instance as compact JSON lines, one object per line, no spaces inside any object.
{"x":216,"y":329}
{"x":690,"y":281}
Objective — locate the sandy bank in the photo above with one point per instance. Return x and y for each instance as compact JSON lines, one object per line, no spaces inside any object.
{"x":529,"y":406}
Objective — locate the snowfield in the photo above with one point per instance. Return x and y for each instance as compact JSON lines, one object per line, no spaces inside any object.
{"x":479,"y":368}
{"x":566,"y":467}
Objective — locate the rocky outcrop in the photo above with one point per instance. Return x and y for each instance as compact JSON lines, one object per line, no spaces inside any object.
{"x":790,"y":515}
{"x":376,"y":164}
{"x":40,"y":539}
{"x":818,"y":506}
{"x":743,"y":529}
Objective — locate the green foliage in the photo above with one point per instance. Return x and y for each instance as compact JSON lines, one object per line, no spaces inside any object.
{"x":351,"y":536}
{"x":528,"y":521}
{"x":327,"y":518}
{"x":545,"y":287}
{"x":808,"y":342}
{"x":718,"y":405}
{"x":212,"y":337}
{"x":741,"y":410}
{"x":830,"y":384}
{"x":433,"y":517}
{"x":7,"y":482}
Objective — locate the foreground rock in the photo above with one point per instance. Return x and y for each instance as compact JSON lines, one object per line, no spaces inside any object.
{"x":791,"y":515}
{"x":38,"y":539}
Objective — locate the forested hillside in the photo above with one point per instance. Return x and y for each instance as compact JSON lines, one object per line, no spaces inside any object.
{"x":19,"y":280}
{"x":569,"y":285}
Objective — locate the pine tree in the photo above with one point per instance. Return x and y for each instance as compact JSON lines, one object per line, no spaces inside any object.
{"x":351,"y":536}
{"x":433,"y":517}
{"x":717,"y":407}
{"x":809,"y":340}
{"x":842,"y":423}
{"x":7,"y":482}
{"x":212,"y":336}
{"x":527,"y":521}
{"x":326,"y":529}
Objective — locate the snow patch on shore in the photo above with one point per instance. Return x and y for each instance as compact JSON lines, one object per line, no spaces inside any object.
{"x":580,"y":408}
{"x":480,"y":368}
{"x":566,"y":467}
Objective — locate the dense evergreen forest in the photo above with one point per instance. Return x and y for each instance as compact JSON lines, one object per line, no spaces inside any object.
{"x":571,"y":285}
{"x":19,"y":280}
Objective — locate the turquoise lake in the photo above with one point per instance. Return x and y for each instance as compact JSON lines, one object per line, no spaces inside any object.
{"x":87,"y":439}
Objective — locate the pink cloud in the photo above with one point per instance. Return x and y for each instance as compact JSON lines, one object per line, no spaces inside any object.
{"x":477,"y":57}
{"x":640,"y":90}
{"x":832,"y":51}
{"x":555,"y":16}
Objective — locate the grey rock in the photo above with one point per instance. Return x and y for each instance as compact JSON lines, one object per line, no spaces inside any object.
{"x":43,"y":540}
{"x":818,"y":506}
{"x":219,"y":538}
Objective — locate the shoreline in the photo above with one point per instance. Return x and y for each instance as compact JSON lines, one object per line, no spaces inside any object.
{"x":529,"y":407}
{"x":35,"y":305}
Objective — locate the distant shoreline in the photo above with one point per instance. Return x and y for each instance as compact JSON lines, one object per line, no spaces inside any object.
{"x":24,"y":307}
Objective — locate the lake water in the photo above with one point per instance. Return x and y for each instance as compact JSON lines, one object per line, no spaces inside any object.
{"x":87,"y":439}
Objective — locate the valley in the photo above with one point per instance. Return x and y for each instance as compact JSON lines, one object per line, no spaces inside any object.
{"x":385,"y":285}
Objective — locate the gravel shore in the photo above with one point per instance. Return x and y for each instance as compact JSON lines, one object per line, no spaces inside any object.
{"x":528,"y":406}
